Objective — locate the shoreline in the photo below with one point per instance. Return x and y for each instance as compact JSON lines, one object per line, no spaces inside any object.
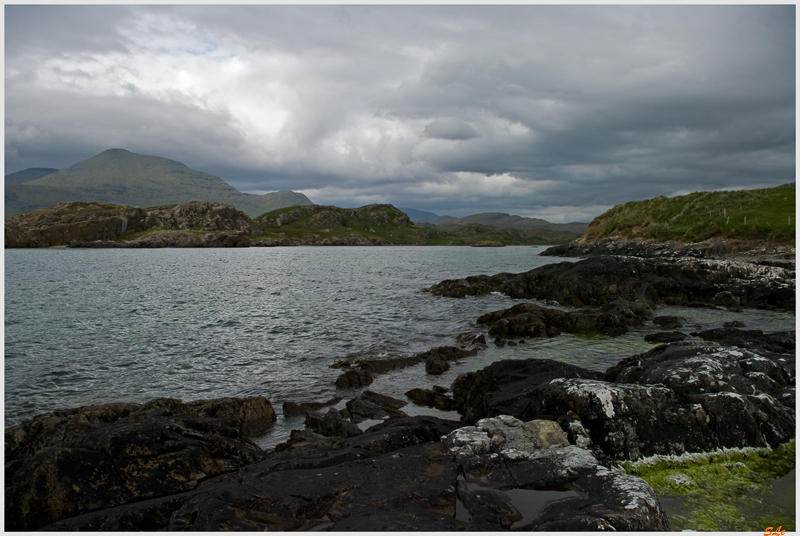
{"x":327,"y":430}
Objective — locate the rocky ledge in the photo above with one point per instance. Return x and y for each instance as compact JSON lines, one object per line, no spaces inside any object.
{"x":600,"y":280}
{"x":536,"y":449}
{"x":676,"y":398}
{"x":753,"y":250}
{"x":64,"y":463}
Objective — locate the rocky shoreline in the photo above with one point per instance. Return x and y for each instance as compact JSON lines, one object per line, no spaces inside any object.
{"x":537,"y":447}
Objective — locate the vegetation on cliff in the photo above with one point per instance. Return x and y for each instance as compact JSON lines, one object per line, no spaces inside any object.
{"x":385,"y":224}
{"x":81,"y":223}
{"x":767,"y":214}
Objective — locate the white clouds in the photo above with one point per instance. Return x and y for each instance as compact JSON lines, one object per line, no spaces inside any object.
{"x":459,"y":108}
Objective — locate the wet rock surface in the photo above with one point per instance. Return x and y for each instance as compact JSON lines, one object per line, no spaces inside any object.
{"x":600,"y":280}
{"x":680,"y":397}
{"x":531,"y":320}
{"x":403,"y":474}
{"x":66,"y":462}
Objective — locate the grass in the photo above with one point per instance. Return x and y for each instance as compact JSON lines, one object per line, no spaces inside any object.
{"x":386,"y":224}
{"x":767,"y":214}
{"x":727,"y":490}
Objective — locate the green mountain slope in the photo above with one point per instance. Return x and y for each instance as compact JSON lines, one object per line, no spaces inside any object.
{"x":767,"y":214}
{"x":123,"y":178}
{"x":27,"y":175}
{"x":505,"y":221}
{"x":384,"y":224}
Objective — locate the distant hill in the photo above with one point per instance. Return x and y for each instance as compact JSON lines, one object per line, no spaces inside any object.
{"x":124,"y":178}
{"x":767,"y":214}
{"x":505,"y":221}
{"x":27,"y":175}
{"x":383,"y":224}
{"x":420,"y":216}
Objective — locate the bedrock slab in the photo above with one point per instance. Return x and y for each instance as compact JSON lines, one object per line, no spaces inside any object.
{"x":681,"y":397}
{"x":599,"y":280}
{"x":71,"y":461}
{"x":403,"y":475}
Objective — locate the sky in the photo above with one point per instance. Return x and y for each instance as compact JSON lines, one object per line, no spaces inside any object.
{"x":550,"y":111}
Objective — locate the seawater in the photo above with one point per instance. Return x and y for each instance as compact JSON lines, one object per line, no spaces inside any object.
{"x":95,"y":326}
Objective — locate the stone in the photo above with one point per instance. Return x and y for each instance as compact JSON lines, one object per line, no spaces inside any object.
{"x":668,"y":322}
{"x":331,"y":423}
{"x":354,"y":378}
{"x":431,"y":398}
{"x":665,"y":336}
{"x":67,"y":462}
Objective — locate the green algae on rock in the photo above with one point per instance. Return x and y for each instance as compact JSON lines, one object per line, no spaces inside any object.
{"x":726,"y":490}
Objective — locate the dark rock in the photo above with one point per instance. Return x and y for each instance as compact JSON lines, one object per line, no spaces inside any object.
{"x":668,"y":322}
{"x":531,"y":320}
{"x":396,"y":476}
{"x":371,"y":405}
{"x":754,"y":339}
{"x":665,"y":336}
{"x":600,"y":280}
{"x":331,"y":424}
{"x":501,"y":388}
{"x":67,"y":462}
{"x":733,"y":324}
{"x":436,"y":365}
{"x":293,"y":409}
{"x":431,"y":398}
{"x":354,"y":378}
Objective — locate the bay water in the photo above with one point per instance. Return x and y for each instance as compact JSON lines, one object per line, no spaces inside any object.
{"x":95,"y":326}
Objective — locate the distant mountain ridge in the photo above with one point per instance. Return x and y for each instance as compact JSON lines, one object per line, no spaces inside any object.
{"x":501,"y":220}
{"x":124,"y":178}
{"x":27,"y":175}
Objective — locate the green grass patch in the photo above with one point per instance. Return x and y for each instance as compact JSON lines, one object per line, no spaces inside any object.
{"x":728,"y":490}
{"x":767,"y":214}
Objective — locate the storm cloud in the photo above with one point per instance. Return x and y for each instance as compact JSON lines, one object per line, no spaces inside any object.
{"x":557,"y":112}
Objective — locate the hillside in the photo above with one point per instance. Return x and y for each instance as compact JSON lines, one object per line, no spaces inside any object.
{"x":123,"y":178}
{"x":505,"y":221}
{"x":383,"y":224}
{"x":27,"y":175}
{"x":767,"y":214}
{"x":420,"y":216}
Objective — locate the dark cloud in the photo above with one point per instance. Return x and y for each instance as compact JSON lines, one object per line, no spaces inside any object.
{"x":555,"y":111}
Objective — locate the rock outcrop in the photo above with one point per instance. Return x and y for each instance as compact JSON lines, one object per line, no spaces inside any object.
{"x":64,"y":463}
{"x":531,"y":320}
{"x":399,"y":475}
{"x":82,"y":224}
{"x":597,"y":281}
{"x":681,"y":397}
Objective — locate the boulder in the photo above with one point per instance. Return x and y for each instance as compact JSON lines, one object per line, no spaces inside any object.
{"x":293,"y":409}
{"x":330,"y":424}
{"x":354,"y":378}
{"x":431,"y":398}
{"x":371,"y":405}
{"x":531,"y":320}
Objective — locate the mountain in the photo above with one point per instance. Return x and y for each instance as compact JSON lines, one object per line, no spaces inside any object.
{"x":27,"y":175}
{"x":768,"y":214}
{"x":124,"y":178}
{"x":420,"y":216}
{"x":505,"y":221}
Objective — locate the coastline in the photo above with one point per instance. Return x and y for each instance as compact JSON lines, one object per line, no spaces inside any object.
{"x":332,"y":423}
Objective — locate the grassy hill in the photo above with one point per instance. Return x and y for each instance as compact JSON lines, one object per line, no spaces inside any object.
{"x":386,"y":224}
{"x":501,"y":220}
{"x":767,"y":214}
{"x":123,"y":178}
{"x":27,"y":175}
